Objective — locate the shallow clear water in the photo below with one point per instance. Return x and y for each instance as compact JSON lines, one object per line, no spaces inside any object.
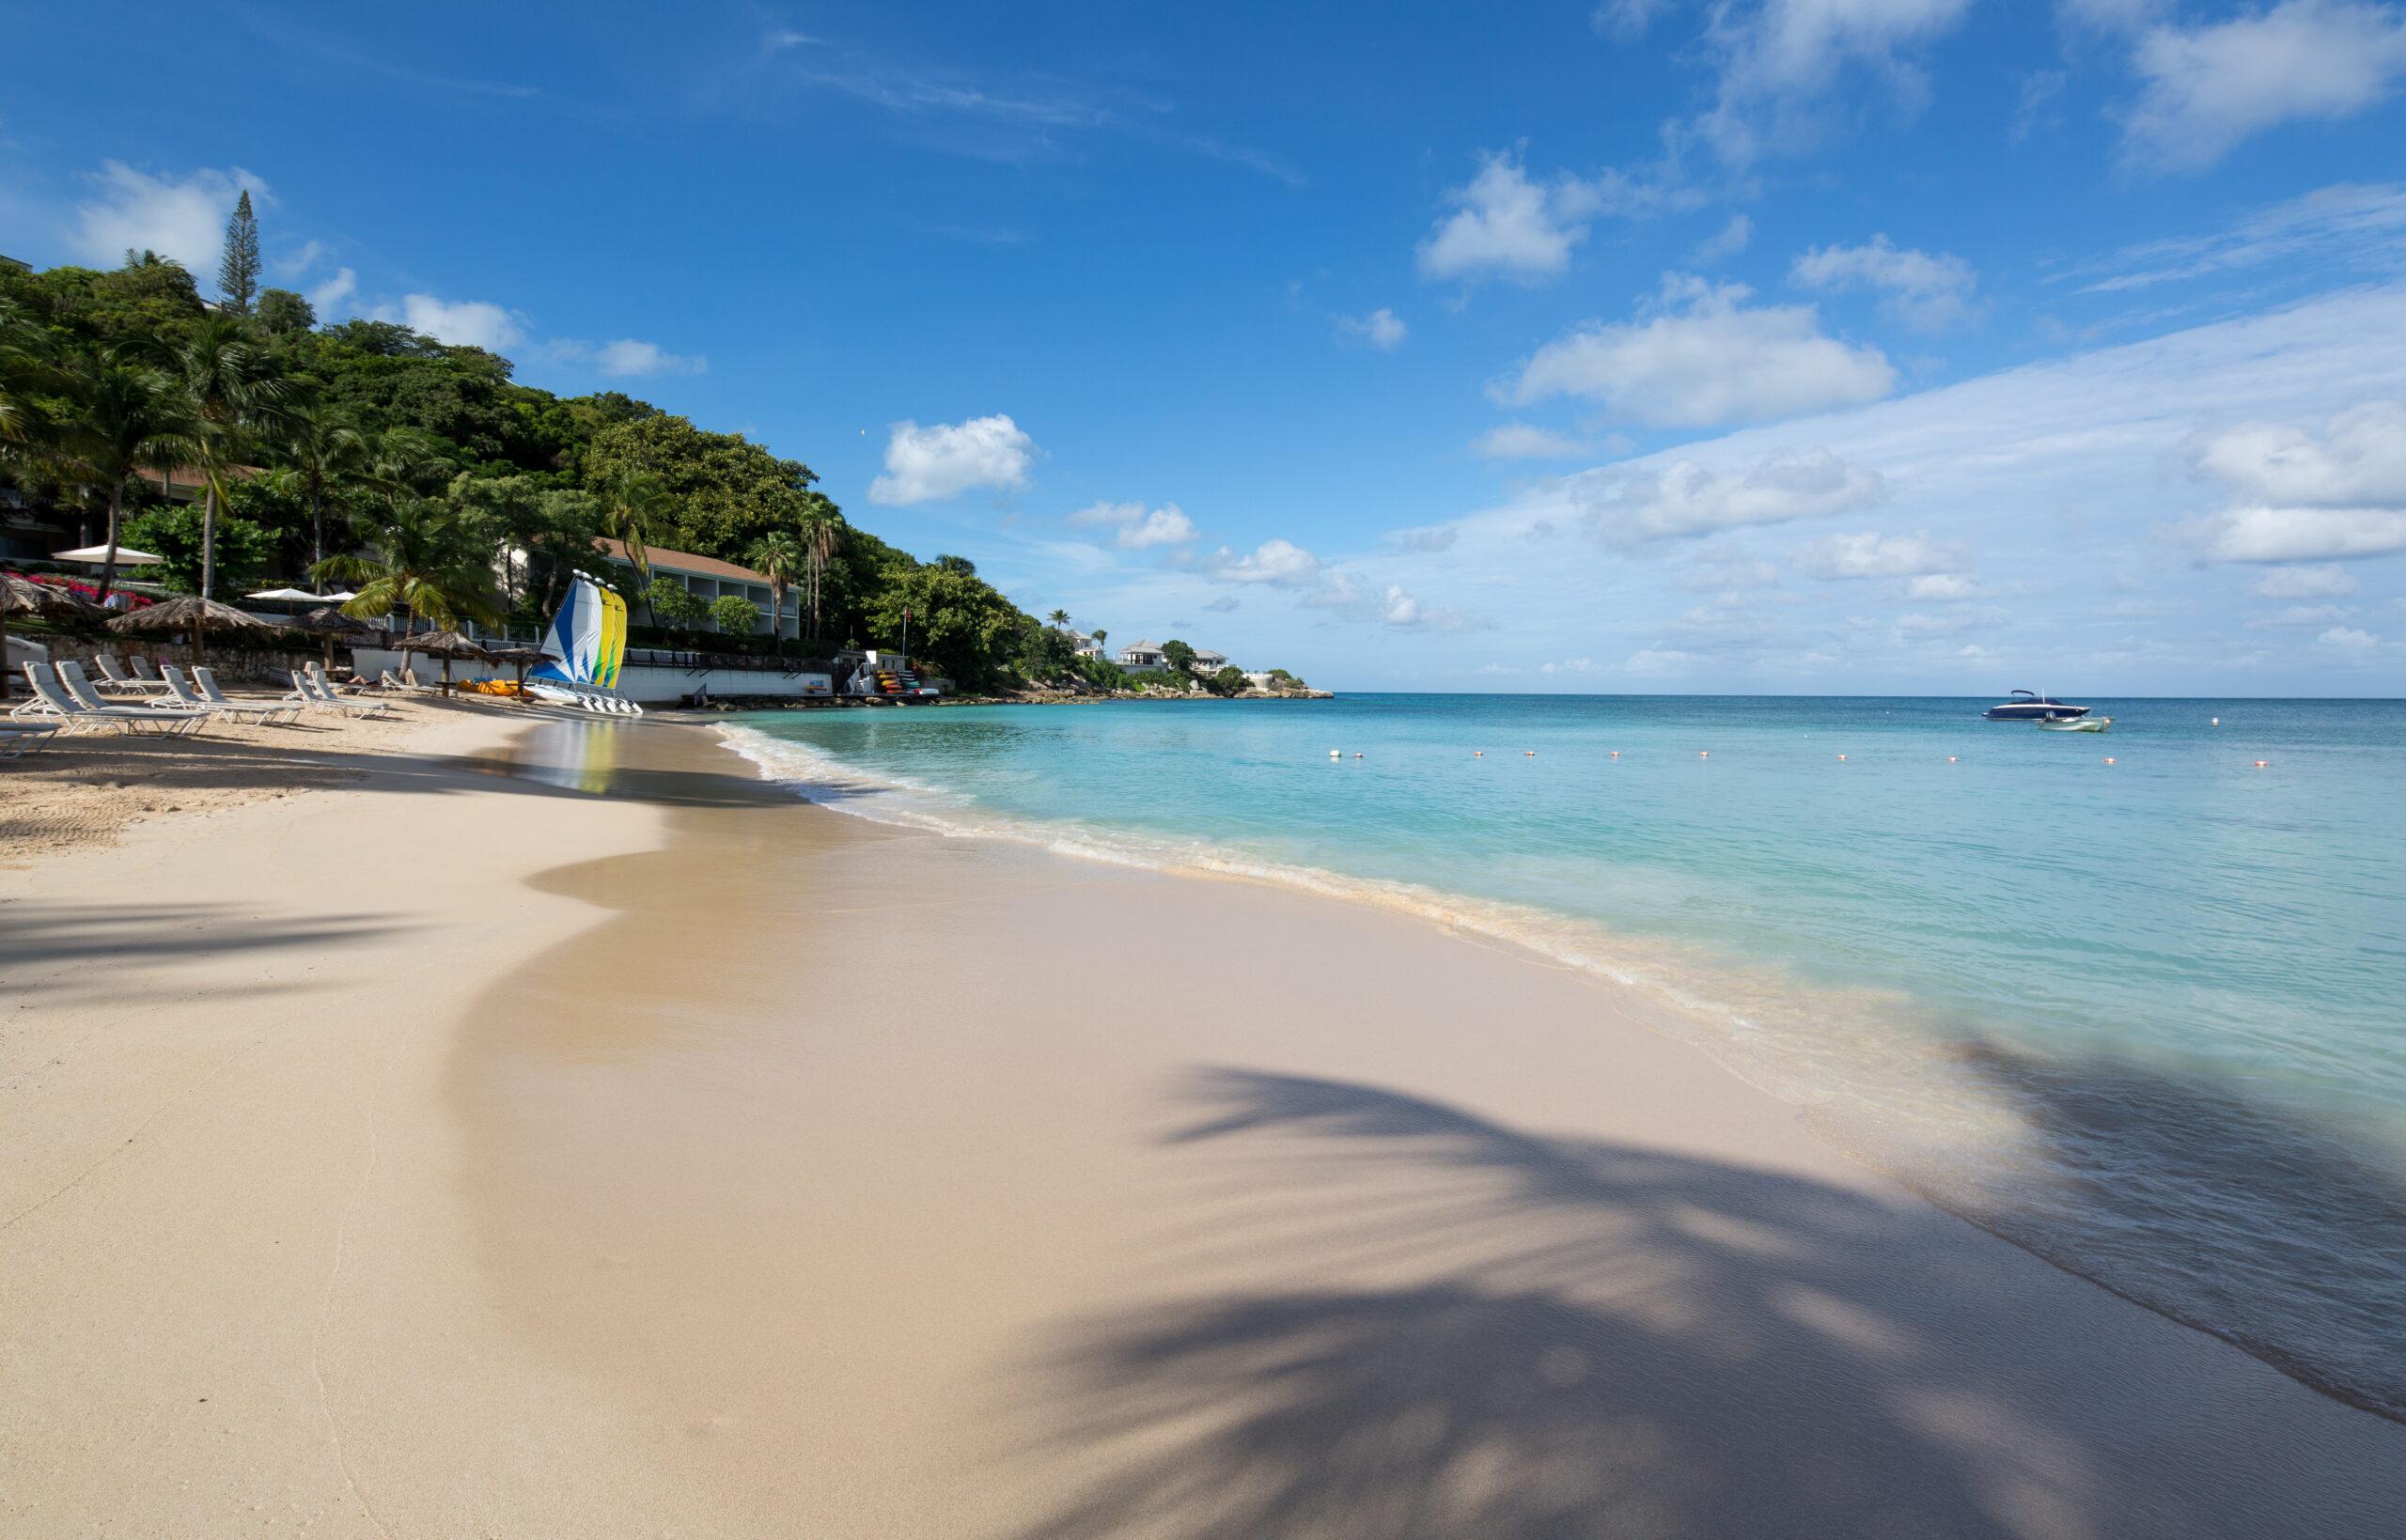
{"x":2146,"y":1018}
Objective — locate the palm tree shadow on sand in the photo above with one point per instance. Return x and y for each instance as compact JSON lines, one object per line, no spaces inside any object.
{"x":1523,"y":1336}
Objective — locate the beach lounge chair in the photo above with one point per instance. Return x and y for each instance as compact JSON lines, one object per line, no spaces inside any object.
{"x":18,"y":738}
{"x":327,"y":690}
{"x":406,"y":686}
{"x":53,"y":702}
{"x":230,"y":709}
{"x":115,"y":681}
{"x":317,"y":697}
{"x":270,"y":713}
{"x":78,"y":686}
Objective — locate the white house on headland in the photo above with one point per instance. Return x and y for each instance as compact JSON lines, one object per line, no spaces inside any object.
{"x":707,"y":577}
{"x":1083,"y":645}
{"x":1209,"y":662}
{"x":1141,"y":656}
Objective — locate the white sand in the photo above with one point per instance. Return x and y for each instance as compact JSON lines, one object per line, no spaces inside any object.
{"x":471,"y":1154}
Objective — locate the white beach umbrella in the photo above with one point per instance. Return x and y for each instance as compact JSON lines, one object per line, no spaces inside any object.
{"x":97,"y":554}
{"x":294,"y":596}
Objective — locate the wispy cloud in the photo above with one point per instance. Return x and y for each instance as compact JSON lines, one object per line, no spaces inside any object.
{"x":2347,"y":227}
{"x":1020,"y":118}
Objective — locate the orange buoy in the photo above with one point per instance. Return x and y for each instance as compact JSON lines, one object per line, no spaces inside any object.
{"x":1841,"y":758}
{"x":1615,"y":754}
{"x":2109,"y":759}
{"x":1704,"y":754}
{"x":1478,"y":753}
{"x":2261,"y":763}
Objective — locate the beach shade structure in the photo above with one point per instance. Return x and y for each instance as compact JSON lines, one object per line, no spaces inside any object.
{"x":294,"y":596}
{"x":22,"y":596}
{"x":519,"y":656}
{"x":329,"y":624}
{"x":444,"y":645}
{"x":99,"y":554}
{"x":187,"y":613}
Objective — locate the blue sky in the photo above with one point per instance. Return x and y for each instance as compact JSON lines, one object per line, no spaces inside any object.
{"x":1803,"y":346}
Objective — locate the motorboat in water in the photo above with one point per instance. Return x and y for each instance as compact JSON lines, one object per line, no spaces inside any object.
{"x":2028,"y":705}
{"x":2076,"y":724}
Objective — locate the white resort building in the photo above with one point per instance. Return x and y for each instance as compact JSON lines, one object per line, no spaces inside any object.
{"x":1142,"y":656}
{"x":707,"y":577}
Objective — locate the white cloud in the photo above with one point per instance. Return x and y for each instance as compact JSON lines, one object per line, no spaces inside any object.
{"x":1506,"y":225}
{"x":945,"y":460}
{"x":2302,"y":616}
{"x":334,"y":294}
{"x":1280,"y":563}
{"x":2040,"y":90}
{"x":1725,"y":243}
{"x":2358,"y":646}
{"x":2307,"y":582}
{"x":1521,"y":440}
{"x":1381,"y":328}
{"x":301,"y":261}
{"x":1871,"y":555}
{"x":628,"y":357}
{"x":2209,"y":87}
{"x":2303,"y":496}
{"x":1570,"y":665}
{"x":462,"y":323}
{"x":1929,"y":294}
{"x":1637,"y":506}
{"x":1658,"y":660}
{"x":2348,"y":225}
{"x":1781,"y":60}
{"x":1135,"y":528}
{"x":183,"y":217}
{"x":1700,"y":355}
{"x":2304,"y":535}
{"x":2359,"y":458}
{"x":1942,"y":587}
{"x":1357,"y":598}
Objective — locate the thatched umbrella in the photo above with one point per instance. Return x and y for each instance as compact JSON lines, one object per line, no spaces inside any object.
{"x":329,"y":624}
{"x":445,"y":646}
{"x":22,"y":596}
{"x":186,"y":612}
{"x":520,"y":656}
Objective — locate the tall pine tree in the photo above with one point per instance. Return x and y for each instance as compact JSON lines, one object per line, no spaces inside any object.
{"x":238,"y":274}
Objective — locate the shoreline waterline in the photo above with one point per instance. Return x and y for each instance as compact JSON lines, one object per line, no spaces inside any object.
{"x":2119,"y":1169}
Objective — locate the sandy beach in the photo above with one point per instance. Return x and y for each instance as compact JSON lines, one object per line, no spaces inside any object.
{"x":553,"y":1128}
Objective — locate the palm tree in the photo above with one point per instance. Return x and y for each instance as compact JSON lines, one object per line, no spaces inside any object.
{"x":777,"y":555}
{"x":822,"y":535}
{"x":1058,"y":619}
{"x":1098,"y":633}
{"x":26,"y":374}
{"x":128,"y":416}
{"x":236,"y":392}
{"x":321,"y":450}
{"x":406,"y":462}
{"x":634,"y":505}
{"x":423,"y":560}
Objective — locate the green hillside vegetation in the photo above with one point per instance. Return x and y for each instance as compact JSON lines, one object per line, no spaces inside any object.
{"x":370,"y":453}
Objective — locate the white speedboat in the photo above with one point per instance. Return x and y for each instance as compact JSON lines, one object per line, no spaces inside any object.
{"x":2028,"y":706}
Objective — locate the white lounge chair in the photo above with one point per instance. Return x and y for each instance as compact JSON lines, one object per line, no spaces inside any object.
{"x":115,"y":681}
{"x":230,"y":709}
{"x":317,"y":697}
{"x":78,"y":685}
{"x":18,"y":738}
{"x":51,"y":703}
{"x":270,"y":713}
{"x":327,"y":690}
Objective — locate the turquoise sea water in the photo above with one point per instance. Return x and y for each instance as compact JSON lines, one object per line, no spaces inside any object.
{"x":2146,"y":1018}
